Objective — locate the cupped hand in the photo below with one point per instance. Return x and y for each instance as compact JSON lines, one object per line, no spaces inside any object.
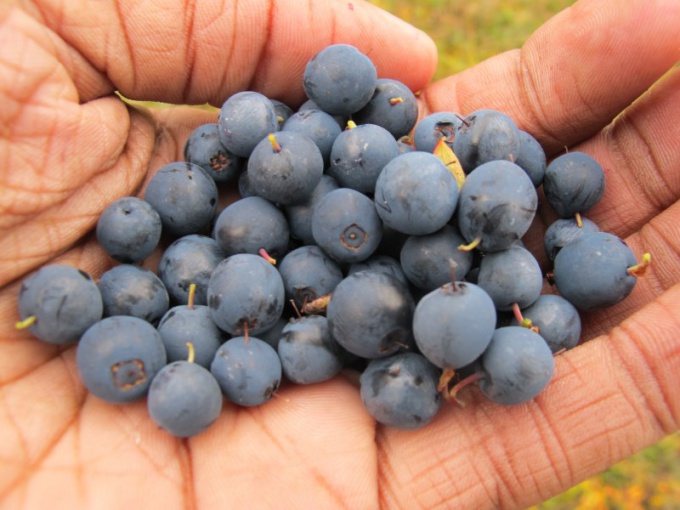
{"x":69,"y":146}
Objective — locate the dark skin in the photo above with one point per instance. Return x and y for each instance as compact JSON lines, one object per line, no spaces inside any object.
{"x":69,"y":147}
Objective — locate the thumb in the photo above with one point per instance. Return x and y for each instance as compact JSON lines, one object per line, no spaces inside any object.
{"x":196,"y":52}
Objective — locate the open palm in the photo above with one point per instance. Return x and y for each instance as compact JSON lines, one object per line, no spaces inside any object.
{"x":69,"y":146}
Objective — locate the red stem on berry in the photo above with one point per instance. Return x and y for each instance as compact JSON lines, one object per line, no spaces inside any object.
{"x":245,"y":332}
{"x":525,"y":322}
{"x":467,"y":381}
{"x":267,"y":257}
{"x":295,"y":307}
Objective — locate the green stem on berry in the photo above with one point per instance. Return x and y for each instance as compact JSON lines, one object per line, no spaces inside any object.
{"x":471,"y":246}
{"x":192,"y":296}
{"x":27,"y":322}
{"x":639,"y":270}
{"x":351,"y":124}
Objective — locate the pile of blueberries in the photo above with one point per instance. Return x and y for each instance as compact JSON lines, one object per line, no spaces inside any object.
{"x":362,"y":238}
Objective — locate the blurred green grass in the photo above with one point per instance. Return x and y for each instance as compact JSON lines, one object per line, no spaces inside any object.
{"x":467,"y":32}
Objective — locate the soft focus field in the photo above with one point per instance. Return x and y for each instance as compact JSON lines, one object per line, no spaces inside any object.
{"x":467,"y":32}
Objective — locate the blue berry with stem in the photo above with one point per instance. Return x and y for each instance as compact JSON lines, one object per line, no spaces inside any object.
{"x":246,"y":118}
{"x":563,"y":231}
{"x":554,"y":318}
{"x":58,"y":303}
{"x":393,"y":107}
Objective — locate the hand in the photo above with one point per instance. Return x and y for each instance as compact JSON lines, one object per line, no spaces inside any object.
{"x":68,"y":147}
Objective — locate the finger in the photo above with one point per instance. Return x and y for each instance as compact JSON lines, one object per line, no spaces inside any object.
{"x":201,"y":52}
{"x":61,"y":162}
{"x":575,"y":73}
{"x":608,"y":399}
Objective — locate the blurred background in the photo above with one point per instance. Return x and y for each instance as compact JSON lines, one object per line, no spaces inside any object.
{"x":467,"y":32}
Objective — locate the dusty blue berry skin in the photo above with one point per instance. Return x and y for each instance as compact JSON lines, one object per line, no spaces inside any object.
{"x":435,"y":126}
{"x":308,"y":352}
{"x":251,"y":224}
{"x":246,"y":118}
{"x":184,"y":399}
{"x":591,"y":271}
{"x":557,"y":320}
{"x":184,"y":196}
{"x":401,"y":390}
{"x":416,"y":194}
{"x":283,"y":112}
{"x":393,"y":107}
{"x":311,"y":105}
{"x":182,"y":324}
{"x":497,"y":204}
{"x":486,"y":135}
{"x":118,"y":357}
{"x":531,"y":157}
{"x":64,"y":300}
{"x":563,"y":231}
{"x":359,"y":154}
{"x":370,"y":313}
{"x":318,"y":126}
{"x":287,"y":174}
{"x":511,"y":276}
{"x":204,"y":148}
{"x":346,"y":225}
{"x":247,"y":370}
{"x":517,"y":366}
{"x":308,"y":273}
{"x":453,"y":324}
{"x":129,"y":229}
{"x":245,"y":291}
{"x":427,"y":260}
{"x":340,"y":79}
{"x":189,"y":259}
{"x":273,"y":335}
{"x":300,"y":215}
{"x":573,"y":183}
{"x":135,"y":291}
{"x":383,"y":263}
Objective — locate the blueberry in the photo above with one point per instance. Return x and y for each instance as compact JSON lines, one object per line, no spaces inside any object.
{"x":300,"y":215}
{"x":245,"y":291}
{"x":135,"y":291}
{"x":58,"y":303}
{"x":431,"y":260}
{"x":194,"y":324}
{"x":189,"y":259}
{"x":318,"y":126}
{"x":573,"y":183}
{"x":486,"y":135}
{"x":563,"y":231}
{"x":250,"y":225}
{"x":246,"y":118}
{"x":340,"y":79}
{"x":497,"y":204}
{"x":311,"y":105}
{"x":359,"y":154}
{"x":204,"y":148}
{"x":557,"y":320}
{"x":283,"y":111}
{"x":118,"y":357}
{"x":435,"y":126}
{"x":272,"y":335}
{"x":185,"y":197}
{"x":393,"y":107}
{"x":517,"y":366}
{"x":382,"y":263}
{"x":308,"y":352}
{"x":531,"y":157}
{"x":308,"y":273}
{"x":453,"y":324}
{"x":346,"y":225}
{"x":248,"y":370}
{"x":184,"y":399}
{"x":401,"y":390}
{"x":285,"y":167}
{"x":129,"y":229}
{"x":511,"y":276}
{"x":592,"y":271}
{"x":416,"y":194}
{"x":370,"y":313}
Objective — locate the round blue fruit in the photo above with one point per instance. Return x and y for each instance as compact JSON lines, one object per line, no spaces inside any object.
{"x":246,"y":118}
{"x":118,"y":357}
{"x":557,"y":320}
{"x":401,"y":390}
{"x":248,"y":370}
{"x":64,"y":302}
{"x":204,"y":148}
{"x":573,"y":183}
{"x":129,"y":229}
{"x":416,"y":194}
{"x":393,"y":107}
{"x":184,"y":399}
